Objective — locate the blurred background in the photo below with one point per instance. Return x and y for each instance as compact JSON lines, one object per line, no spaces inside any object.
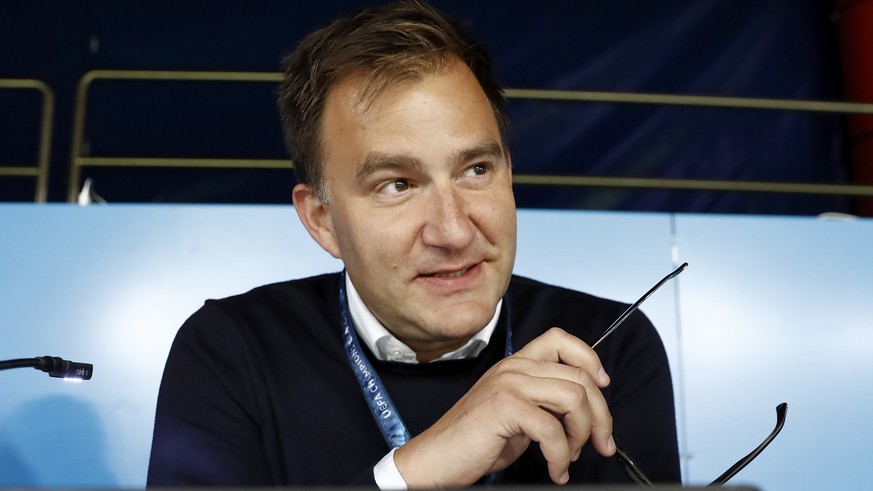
{"x":701,"y":110}
{"x":174,"y":102}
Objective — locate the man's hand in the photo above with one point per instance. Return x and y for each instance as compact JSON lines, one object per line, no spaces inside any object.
{"x":548,"y":392}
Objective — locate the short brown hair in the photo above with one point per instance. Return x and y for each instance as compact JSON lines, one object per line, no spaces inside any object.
{"x":389,"y":44}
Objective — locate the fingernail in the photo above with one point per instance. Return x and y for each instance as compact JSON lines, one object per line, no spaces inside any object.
{"x":577,"y":454}
{"x":565,"y":478}
{"x":602,"y":377}
{"x":611,"y":444}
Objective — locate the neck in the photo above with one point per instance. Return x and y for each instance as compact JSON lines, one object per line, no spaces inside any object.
{"x":370,"y":328}
{"x":429,"y":351}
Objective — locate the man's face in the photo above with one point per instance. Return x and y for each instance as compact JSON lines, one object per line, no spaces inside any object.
{"x":421,"y":209}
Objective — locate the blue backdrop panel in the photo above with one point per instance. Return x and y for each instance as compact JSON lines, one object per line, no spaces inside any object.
{"x":110,"y":286}
{"x":778,"y":310}
{"x":770,"y":310}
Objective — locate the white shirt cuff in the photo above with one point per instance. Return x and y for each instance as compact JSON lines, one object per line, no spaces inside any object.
{"x":387,"y":476}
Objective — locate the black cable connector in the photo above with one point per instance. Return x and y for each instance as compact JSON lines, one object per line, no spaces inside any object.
{"x":54,"y":366}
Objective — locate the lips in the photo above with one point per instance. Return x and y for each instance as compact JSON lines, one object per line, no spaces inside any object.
{"x":453,"y":274}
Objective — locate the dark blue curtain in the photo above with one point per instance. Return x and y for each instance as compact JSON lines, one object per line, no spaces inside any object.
{"x":755,"y":48}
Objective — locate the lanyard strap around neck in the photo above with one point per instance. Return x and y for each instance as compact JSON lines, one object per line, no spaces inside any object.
{"x":383,"y":410}
{"x":381,"y":407}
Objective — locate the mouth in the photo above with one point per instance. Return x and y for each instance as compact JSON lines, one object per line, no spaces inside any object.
{"x":452,"y":274}
{"x":455,"y":273}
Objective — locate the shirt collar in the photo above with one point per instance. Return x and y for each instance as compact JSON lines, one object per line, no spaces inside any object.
{"x":386,"y":347}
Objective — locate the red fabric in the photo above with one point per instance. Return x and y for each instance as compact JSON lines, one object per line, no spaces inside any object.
{"x":856,"y":42}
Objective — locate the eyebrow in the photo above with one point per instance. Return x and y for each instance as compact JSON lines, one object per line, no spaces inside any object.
{"x":488,"y":149}
{"x":377,"y":161}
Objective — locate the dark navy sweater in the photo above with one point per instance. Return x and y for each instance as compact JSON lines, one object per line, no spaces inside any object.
{"x":257,"y":390}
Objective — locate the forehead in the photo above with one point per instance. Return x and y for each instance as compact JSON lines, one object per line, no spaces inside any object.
{"x":449,"y":99}
{"x":369,"y":85}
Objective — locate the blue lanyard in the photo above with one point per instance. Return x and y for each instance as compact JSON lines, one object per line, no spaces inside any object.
{"x":383,"y":410}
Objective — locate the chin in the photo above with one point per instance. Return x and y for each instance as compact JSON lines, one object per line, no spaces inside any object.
{"x":461,"y":323}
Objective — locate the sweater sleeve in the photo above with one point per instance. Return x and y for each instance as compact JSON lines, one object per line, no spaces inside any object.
{"x":642,"y":401}
{"x":205,"y":430}
{"x":227,"y":412}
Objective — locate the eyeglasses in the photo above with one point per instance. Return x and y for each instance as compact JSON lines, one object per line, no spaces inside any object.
{"x":624,"y":459}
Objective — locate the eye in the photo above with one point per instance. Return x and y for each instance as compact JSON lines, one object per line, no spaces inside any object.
{"x":479,"y":169}
{"x":394,"y":187}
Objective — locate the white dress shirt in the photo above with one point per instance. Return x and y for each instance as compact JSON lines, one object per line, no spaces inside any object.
{"x":386,"y":347}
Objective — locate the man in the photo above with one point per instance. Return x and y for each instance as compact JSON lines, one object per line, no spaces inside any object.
{"x":426,"y":363}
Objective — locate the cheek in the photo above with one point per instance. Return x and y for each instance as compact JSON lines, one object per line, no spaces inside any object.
{"x":374,"y":234}
{"x":498,"y":217}
{"x":346,"y":234}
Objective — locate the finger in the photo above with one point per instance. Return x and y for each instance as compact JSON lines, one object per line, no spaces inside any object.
{"x":589,"y":417}
{"x":575,"y":417}
{"x":566,"y":350}
{"x":582,"y":410}
{"x":573,"y":387}
{"x":559,"y":346}
{"x":566,"y":392}
{"x":542,"y":427}
{"x":557,"y":445}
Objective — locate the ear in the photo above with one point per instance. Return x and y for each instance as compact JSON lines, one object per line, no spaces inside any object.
{"x":316,"y":218}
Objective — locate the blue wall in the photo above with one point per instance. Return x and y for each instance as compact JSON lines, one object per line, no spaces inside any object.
{"x":770,"y":310}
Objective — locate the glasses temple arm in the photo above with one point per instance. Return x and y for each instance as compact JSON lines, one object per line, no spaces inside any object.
{"x":781,"y":409}
{"x":630,"y":310}
{"x":630,"y":467}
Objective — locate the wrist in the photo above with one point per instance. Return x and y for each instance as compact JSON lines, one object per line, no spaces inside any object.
{"x":386,"y":474}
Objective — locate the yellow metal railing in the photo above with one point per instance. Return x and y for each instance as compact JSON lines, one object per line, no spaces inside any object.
{"x":78,"y":161}
{"x":695,"y":100}
{"x":40,"y":170}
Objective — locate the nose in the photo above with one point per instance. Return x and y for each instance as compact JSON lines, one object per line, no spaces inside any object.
{"x":448,"y":222}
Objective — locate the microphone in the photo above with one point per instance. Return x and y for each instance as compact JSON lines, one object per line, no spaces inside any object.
{"x":56,"y":367}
